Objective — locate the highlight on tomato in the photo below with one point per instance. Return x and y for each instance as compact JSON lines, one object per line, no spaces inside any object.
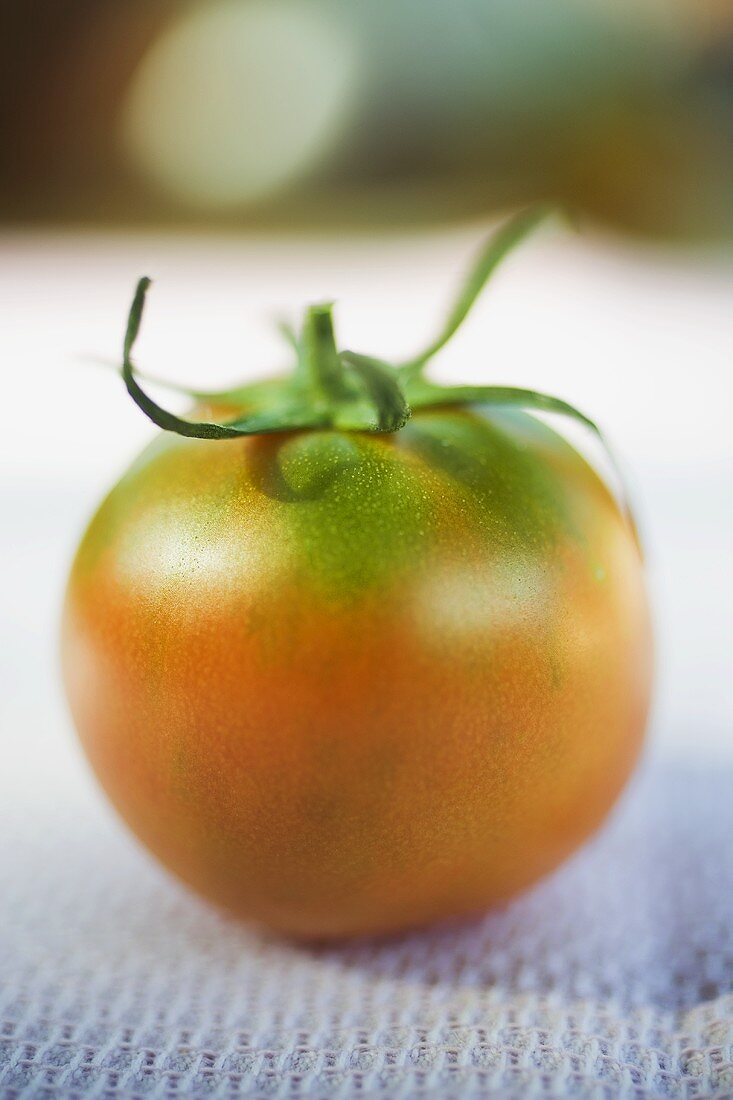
{"x":351,"y":651}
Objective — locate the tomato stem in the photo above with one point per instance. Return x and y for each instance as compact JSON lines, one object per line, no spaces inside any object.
{"x":320,"y":371}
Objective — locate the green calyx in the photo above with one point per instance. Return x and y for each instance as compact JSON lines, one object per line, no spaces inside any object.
{"x":329,"y":388}
{"x":344,"y":390}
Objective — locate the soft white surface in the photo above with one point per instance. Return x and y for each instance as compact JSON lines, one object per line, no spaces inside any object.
{"x":615,"y":977}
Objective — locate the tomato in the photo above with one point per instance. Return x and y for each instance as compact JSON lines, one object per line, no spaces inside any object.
{"x":346,"y":682}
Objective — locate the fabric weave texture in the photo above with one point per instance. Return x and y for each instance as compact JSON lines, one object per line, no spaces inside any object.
{"x":613,"y":978}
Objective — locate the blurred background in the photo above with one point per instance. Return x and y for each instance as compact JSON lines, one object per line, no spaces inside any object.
{"x":288,"y":113}
{"x":254,"y":155}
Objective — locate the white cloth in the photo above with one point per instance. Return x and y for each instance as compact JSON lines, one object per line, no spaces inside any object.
{"x":611,"y":979}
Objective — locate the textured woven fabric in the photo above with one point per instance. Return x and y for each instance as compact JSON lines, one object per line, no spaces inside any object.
{"x":611,"y":979}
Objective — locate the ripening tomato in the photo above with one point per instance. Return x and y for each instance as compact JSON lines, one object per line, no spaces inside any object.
{"x":344,"y":681}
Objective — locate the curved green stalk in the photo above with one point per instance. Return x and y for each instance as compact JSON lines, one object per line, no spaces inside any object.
{"x":504,"y":241}
{"x":277,"y":419}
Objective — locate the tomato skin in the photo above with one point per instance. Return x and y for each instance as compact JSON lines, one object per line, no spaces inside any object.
{"x":348,"y":683}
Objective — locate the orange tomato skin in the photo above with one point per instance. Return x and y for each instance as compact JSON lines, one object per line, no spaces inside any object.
{"x":347,"y":684}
